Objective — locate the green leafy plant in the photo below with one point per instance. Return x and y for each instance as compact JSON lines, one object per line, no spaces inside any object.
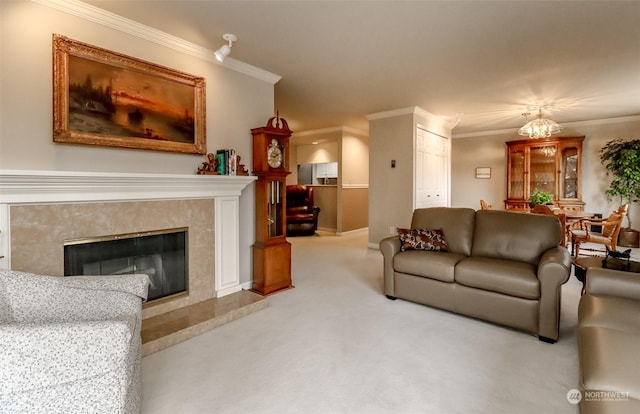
{"x":538,"y":196}
{"x":621,"y":159}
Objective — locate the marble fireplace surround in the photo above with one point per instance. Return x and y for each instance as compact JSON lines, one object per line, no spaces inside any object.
{"x":40,"y":209}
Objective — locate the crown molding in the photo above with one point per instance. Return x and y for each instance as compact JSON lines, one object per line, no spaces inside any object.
{"x":122,"y":24}
{"x":411,"y":110}
{"x":347,"y":129}
{"x":602,"y":121}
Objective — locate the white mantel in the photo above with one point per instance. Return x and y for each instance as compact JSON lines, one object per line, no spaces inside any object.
{"x":39,"y":187}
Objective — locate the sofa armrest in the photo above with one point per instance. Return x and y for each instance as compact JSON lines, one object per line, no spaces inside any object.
{"x":32,"y":297}
{"x":389,"y":247}
{"x":554,"y":270}
{"x":557,"y":258}
{"x":611,"y":282}
{"x":135,"y":284}
{"x":39,"y":356}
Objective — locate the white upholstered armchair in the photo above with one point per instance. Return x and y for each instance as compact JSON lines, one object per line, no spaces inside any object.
{"x":70,"y":344}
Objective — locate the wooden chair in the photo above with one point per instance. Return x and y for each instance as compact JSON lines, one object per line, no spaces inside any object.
{"x":542,"y":209}
{"x":484,"y":205}
{"x":608,"y":236}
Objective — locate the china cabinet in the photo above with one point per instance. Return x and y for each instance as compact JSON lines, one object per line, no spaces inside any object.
{"x":549,"y":164}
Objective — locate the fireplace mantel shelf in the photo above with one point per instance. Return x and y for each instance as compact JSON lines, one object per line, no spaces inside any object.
{"x":26,"y":186}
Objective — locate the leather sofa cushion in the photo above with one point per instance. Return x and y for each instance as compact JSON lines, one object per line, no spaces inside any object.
{"x":502,"y":276}
{"x":298,"y":210}
{"x":457,"y":225}
{"x":430,"y":264}
{"x":610,"y":312}
{"x":608,"y":360}
{"x":515,"y":236}
{"x":300,"y":218}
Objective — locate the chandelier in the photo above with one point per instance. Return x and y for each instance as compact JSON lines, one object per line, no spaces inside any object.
{"x":539,"y":127}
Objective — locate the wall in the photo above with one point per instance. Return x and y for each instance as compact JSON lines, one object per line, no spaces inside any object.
{"x":390,"y":189}
{"x":353,"y":199}
{"x":391,"y":192}
{"x":491,"y":151}
{"x":235,"y":103}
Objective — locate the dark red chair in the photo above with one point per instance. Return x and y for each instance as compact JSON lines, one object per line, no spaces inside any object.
{"x":302,"y":214}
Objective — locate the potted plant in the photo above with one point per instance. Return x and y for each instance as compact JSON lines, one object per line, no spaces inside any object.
{"x":621,"y":159}
{"x":538,"y":196}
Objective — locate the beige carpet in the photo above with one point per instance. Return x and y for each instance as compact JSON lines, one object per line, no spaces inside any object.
{"x":335,"y":344}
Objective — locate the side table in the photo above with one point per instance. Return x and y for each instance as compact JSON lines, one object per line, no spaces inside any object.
{"x":581,"y":264}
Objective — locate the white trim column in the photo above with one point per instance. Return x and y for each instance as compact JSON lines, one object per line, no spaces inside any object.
{"x":227,"y":238}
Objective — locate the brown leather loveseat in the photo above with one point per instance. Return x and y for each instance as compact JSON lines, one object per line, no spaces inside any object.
{"x":501,"y":266}
{"x":302,"y":214}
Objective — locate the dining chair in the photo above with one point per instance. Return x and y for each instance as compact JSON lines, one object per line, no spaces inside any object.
{"x":607,"y":236}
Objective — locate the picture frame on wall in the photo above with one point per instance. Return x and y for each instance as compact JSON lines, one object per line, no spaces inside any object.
{"x":109,"y":99}
{"x":483,"y":172}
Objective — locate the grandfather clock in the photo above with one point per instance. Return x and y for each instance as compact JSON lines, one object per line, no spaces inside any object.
{"x":271,"y":251}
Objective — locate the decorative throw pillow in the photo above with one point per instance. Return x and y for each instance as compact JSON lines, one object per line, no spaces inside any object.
{"x":422,"y":239}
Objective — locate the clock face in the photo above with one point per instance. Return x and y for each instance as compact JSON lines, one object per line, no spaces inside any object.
{"x":274,"y":154}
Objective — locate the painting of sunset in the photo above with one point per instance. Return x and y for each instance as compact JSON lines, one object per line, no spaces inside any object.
{"x":111,"y":100}
{"x":105,"y":98}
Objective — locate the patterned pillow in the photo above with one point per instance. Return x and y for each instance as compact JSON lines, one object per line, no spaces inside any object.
{"x":421,"y":239}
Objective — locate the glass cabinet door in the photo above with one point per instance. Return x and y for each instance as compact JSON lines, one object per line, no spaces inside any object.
{"x":516,"y":173}
{"x":542,"y":168}
{"x":569,"y":172}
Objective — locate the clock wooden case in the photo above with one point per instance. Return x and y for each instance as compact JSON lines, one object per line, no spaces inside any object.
{"x":271,"y":251}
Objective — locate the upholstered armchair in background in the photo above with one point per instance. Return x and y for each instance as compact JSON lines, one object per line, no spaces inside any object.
{"x":70,"y":344}
{"x":302,"y":214}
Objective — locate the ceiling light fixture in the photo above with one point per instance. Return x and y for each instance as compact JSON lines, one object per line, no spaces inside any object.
{"x":539,"y":127}
{"x":224,"y":51}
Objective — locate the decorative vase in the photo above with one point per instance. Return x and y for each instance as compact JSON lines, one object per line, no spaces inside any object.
{"x":629,"y":238}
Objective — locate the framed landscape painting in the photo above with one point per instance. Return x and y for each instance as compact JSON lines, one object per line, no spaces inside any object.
{"x":109,"y":99}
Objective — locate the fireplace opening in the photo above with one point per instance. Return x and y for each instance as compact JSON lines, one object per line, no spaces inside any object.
{"x":161,"y":254}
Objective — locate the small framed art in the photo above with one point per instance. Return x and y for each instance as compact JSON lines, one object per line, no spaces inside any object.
{"x":483,"y":172}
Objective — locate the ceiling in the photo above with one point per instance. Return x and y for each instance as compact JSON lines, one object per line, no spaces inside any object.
{"x":486,"y":60}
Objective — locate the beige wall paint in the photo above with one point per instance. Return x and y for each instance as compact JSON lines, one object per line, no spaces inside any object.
{"x":490,"y":151}
{"x":390,"y":189}
{"x":353,"y":197}
{"x":355,"y":209}
{"x":235,"y":103}
{"x":466,"y":155}
{"x":326,"y":197}
{"x":355,"y":159}
{"x":315,"y":154}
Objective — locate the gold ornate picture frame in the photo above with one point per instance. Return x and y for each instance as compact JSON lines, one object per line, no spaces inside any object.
{"x":109,"y":99}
